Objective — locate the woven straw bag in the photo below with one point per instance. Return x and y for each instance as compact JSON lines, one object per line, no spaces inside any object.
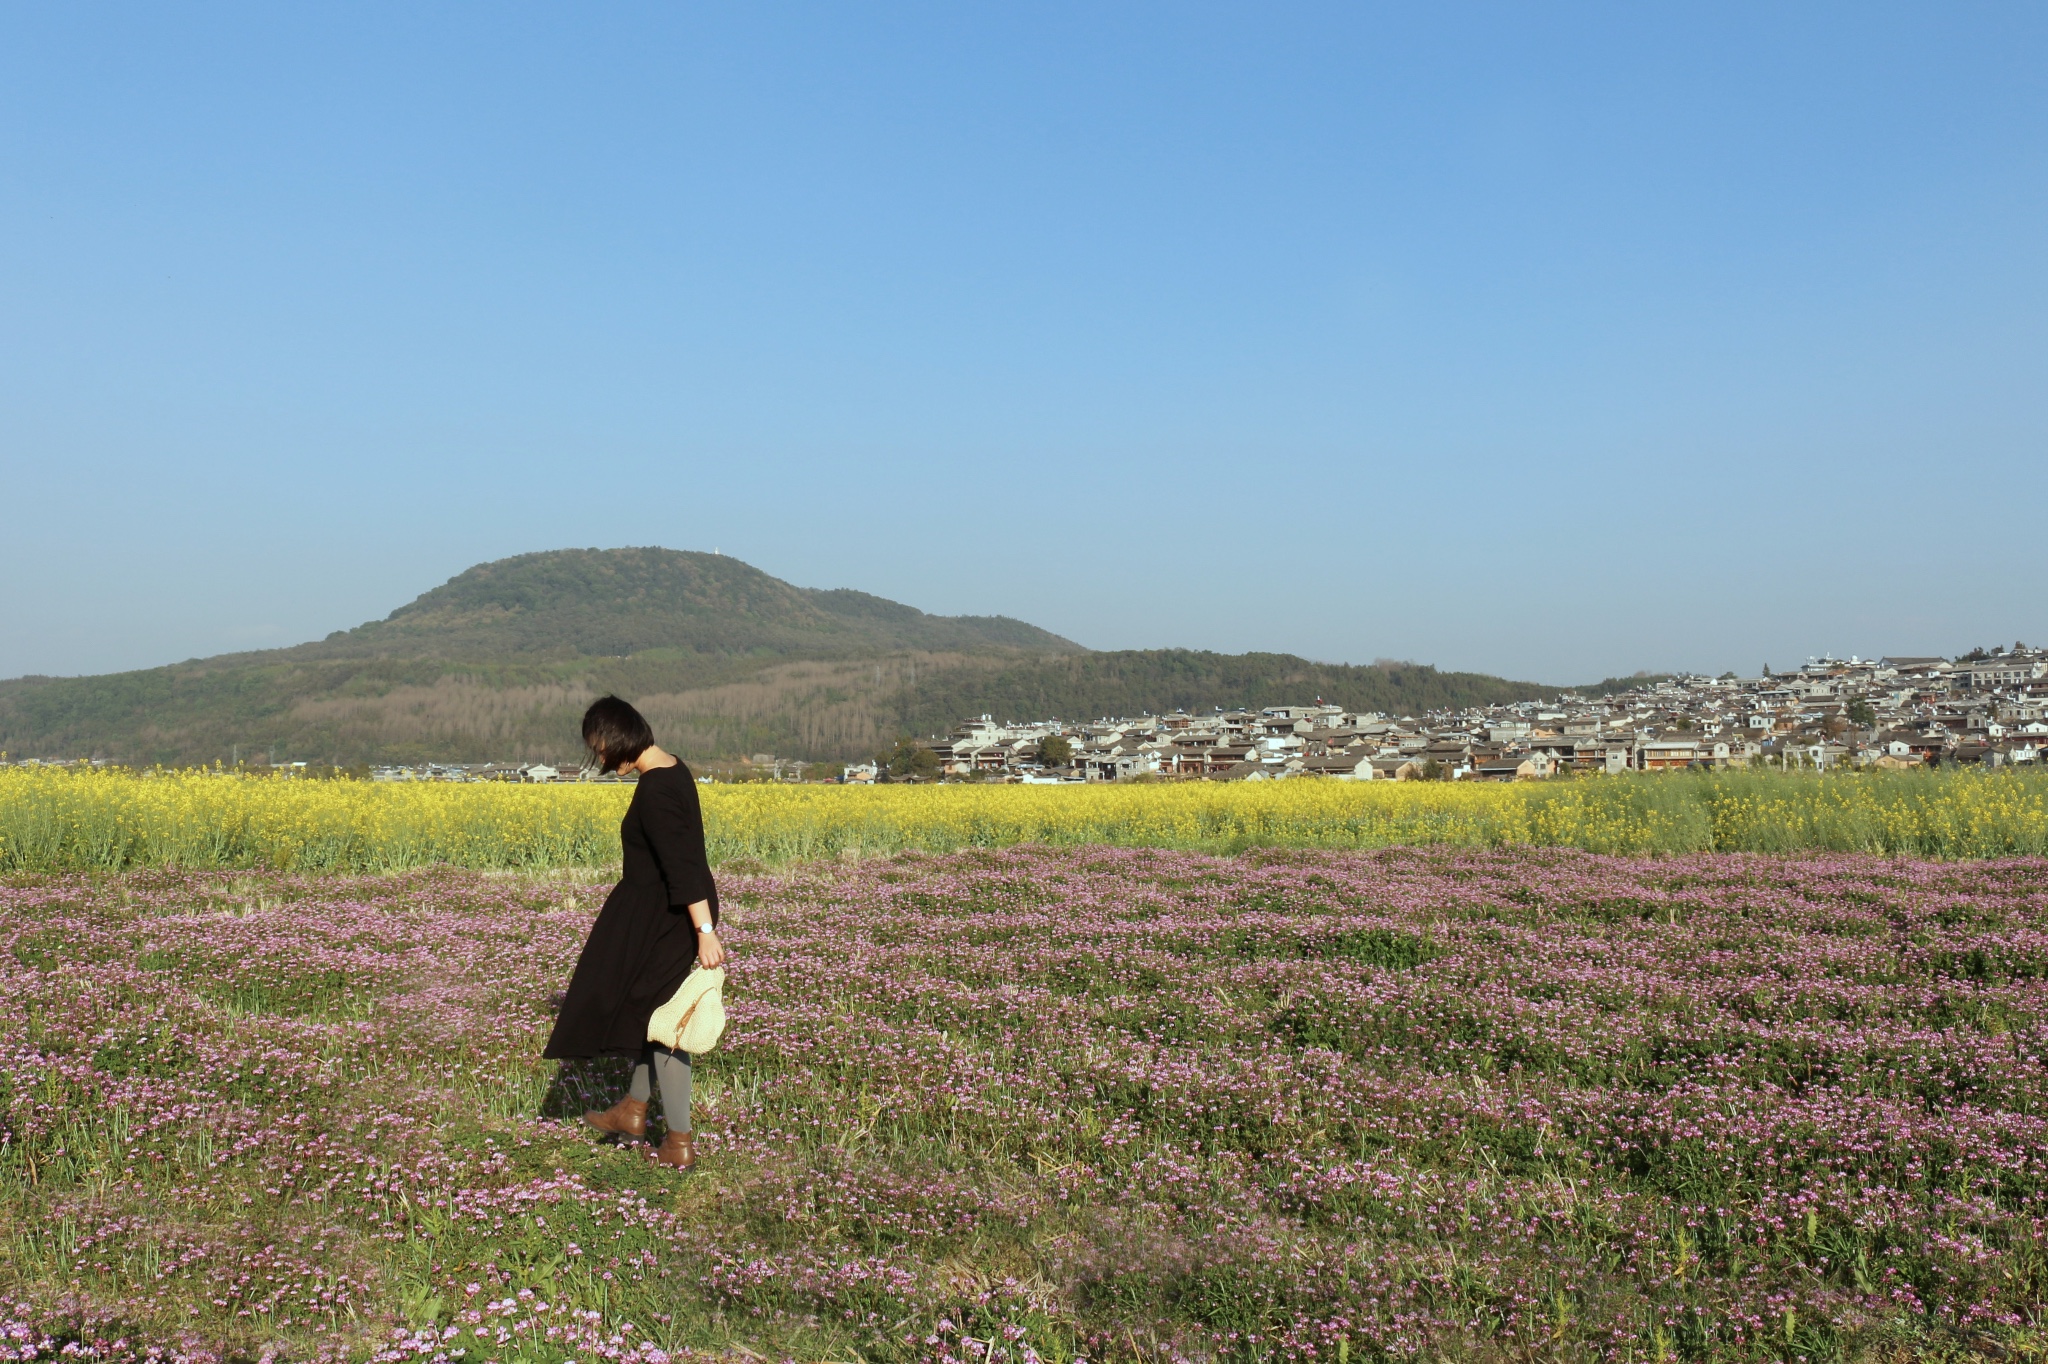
{"x":694,"y":1018}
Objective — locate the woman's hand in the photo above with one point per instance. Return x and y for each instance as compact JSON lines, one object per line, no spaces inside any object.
{"x":710,"y":951}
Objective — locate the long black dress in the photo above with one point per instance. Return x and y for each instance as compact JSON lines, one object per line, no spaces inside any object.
{"x":643,"y":942}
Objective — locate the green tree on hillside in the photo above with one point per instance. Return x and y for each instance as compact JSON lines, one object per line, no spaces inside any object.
{"x":908,"y":761}
{"x":1055,"y":751}
{"x":1861,"y":714}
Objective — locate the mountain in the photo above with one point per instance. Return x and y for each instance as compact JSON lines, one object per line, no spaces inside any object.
{"x":499,"y":661}
{"x":590,"y":603}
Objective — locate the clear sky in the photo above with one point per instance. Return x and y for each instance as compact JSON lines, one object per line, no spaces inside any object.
{"x":1551,"y":341}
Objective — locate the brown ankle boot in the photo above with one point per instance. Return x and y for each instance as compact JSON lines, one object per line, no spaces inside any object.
{"x":676,"y":1152}
{"x":626,"y":1118}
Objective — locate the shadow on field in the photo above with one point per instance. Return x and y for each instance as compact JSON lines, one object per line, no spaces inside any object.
{"x":583,"y":1085}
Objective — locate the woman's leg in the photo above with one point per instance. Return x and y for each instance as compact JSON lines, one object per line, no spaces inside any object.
{"x":627,"y":1117}
{"x":672,"y":1069}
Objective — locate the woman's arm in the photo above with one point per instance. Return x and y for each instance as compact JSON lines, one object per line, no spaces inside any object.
{"x":674,"y":823}
{"x":710,"y":951}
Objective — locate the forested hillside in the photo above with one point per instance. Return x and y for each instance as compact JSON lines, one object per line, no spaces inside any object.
{"x":498,"y":662}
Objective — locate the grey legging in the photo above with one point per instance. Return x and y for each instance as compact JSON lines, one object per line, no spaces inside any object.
{"x":673,"y":1070}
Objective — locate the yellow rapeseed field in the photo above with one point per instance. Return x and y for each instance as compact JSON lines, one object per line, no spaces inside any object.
{"x":63,"y":820}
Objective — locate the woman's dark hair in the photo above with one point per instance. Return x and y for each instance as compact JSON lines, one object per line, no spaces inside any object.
{"x":615,"y":733}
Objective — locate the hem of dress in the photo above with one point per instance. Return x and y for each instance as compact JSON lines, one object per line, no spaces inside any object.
{"x":630,"y":1053}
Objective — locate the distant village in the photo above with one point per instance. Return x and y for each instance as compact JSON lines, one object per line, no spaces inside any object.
{"x":1987,"y":709}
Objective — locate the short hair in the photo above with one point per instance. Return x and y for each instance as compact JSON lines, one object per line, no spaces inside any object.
{"x":615,"y":733}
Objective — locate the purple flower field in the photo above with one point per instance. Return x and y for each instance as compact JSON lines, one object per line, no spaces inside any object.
{"x":1038,"y":1106}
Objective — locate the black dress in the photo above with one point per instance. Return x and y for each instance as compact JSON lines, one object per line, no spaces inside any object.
{"x":643,"y":942}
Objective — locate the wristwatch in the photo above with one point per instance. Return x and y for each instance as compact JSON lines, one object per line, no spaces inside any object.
{"x":707,"y":928}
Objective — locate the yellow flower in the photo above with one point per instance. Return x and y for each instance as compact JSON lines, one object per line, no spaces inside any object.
{"x":59,"y":820}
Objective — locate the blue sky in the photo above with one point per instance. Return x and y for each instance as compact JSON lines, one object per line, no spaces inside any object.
{"x":1549,"y":341}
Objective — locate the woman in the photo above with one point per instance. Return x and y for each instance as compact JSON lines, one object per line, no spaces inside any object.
{"x":659,"y":922}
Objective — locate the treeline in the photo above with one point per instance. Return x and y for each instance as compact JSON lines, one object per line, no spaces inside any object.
{"x":348,"y":712}
{"x":497,"y":663}
{"x":1131,"y":682}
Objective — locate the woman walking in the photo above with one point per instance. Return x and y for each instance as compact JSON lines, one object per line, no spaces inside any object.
{"x":659,"y":922}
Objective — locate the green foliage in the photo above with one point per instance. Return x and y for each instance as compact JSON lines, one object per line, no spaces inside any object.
{"x":1055,"y":751}
{"x":909,"y":761}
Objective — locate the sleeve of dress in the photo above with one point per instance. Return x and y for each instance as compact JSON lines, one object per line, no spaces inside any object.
{"x":675,"y":831}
